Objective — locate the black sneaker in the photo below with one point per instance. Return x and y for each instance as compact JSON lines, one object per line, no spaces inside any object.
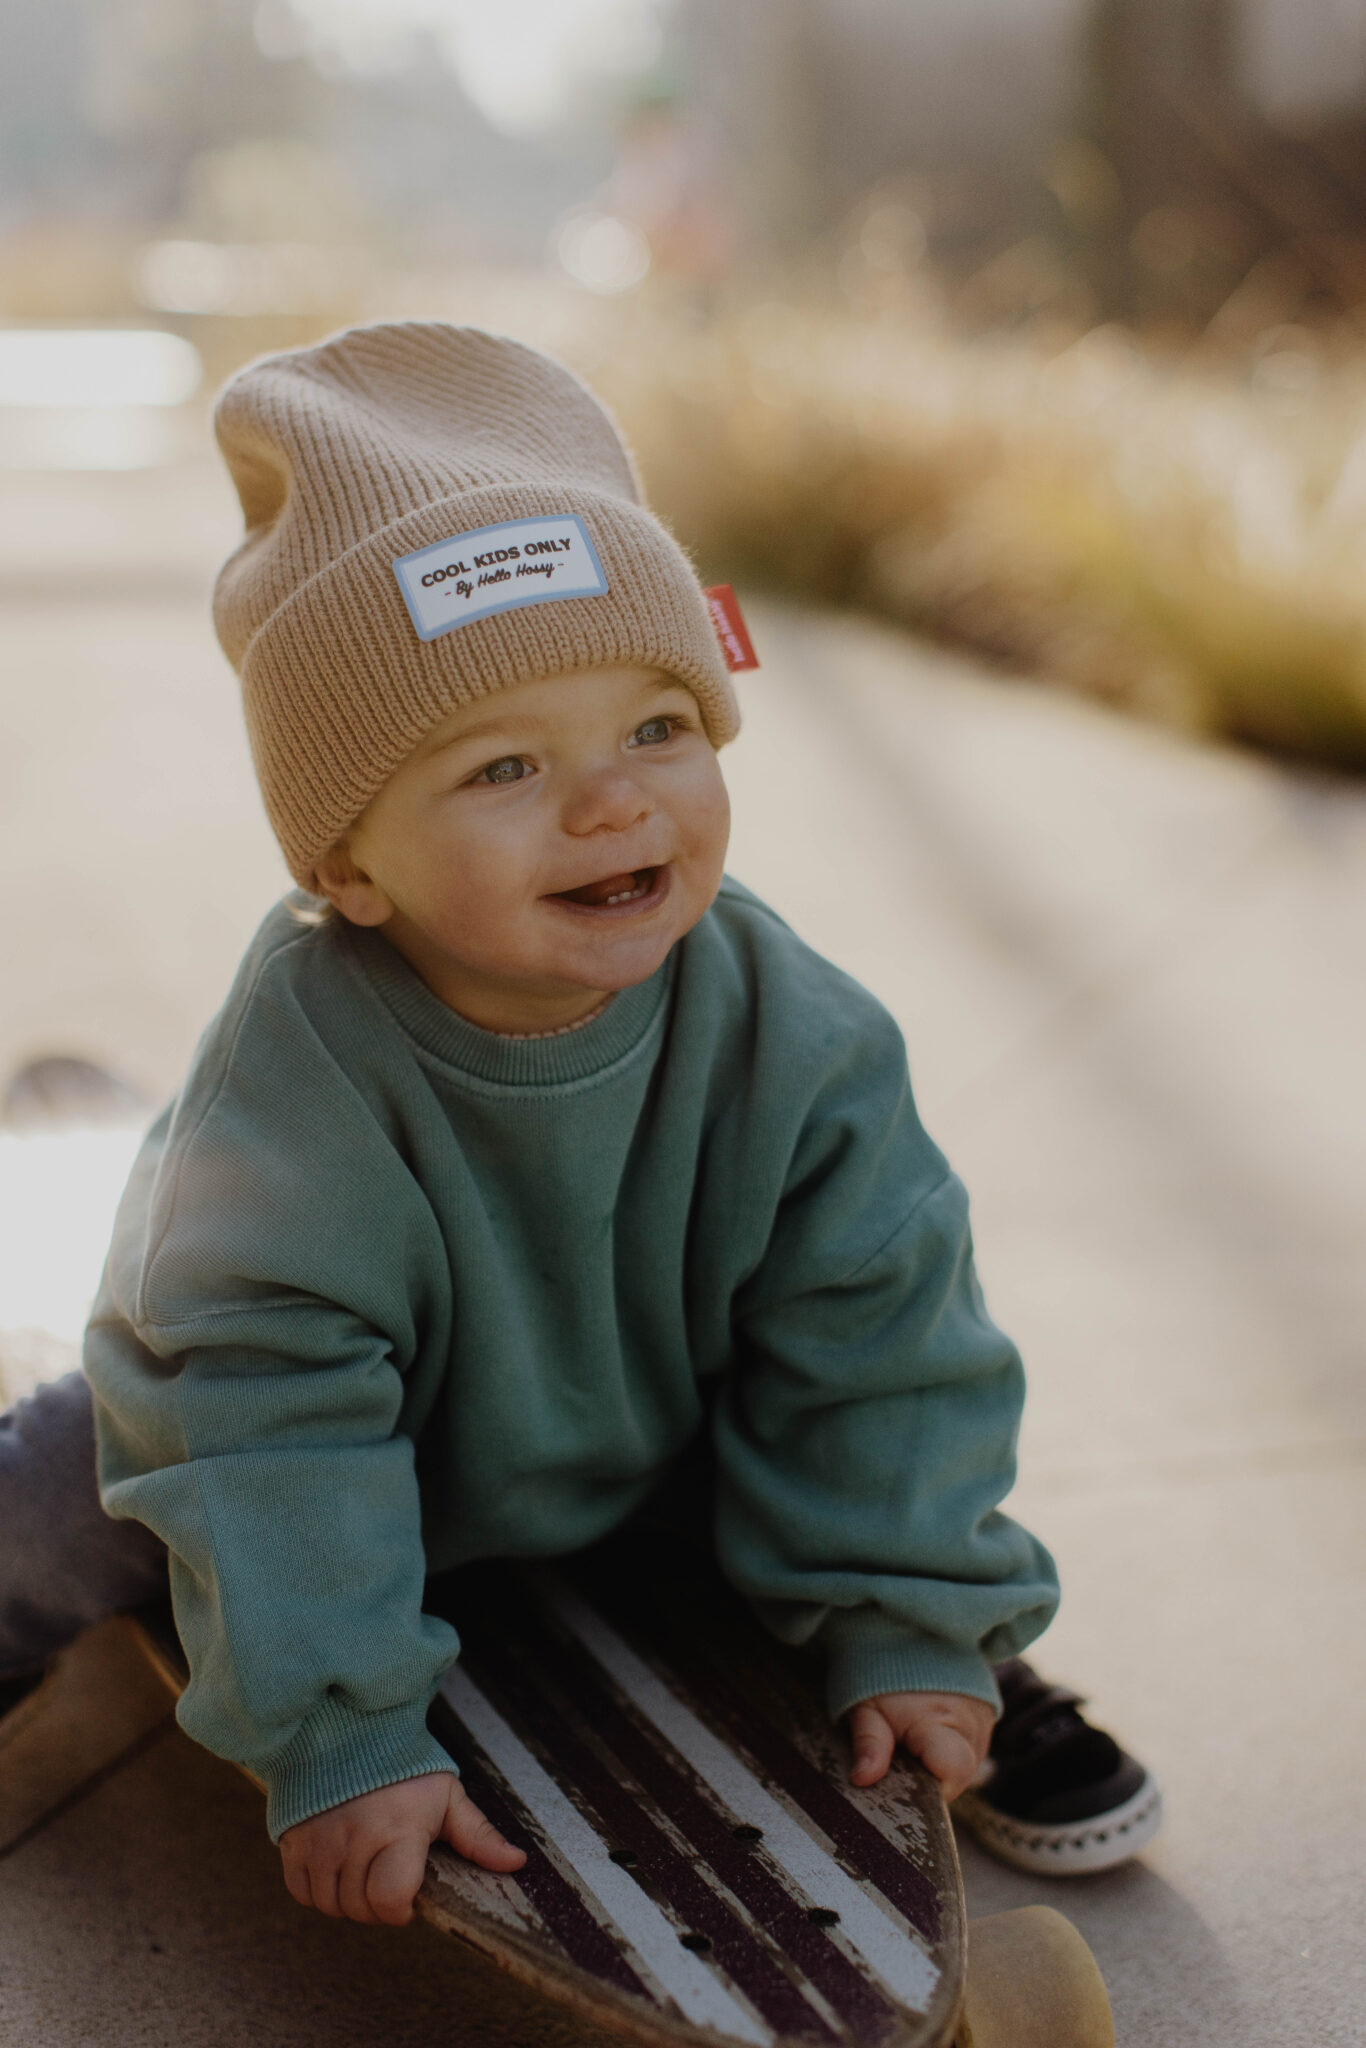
{"x":1057,"y":1795}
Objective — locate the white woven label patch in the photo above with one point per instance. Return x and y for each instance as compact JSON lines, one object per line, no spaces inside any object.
{"x":498,"y":569}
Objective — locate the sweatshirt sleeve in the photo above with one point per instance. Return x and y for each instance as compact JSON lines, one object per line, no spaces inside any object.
{"x":245,"y":1362}
{"x":265,"y":1456}
{"x":867,"y":1430}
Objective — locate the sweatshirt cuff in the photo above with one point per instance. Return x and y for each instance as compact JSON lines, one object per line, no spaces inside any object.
{"x":868,"y":1654}
{"x":338,"y":1753}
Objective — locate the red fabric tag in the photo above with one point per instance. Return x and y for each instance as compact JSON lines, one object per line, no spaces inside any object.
{"x":729,"y":625}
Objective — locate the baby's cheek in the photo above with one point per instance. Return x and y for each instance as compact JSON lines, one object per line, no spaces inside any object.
{"x":706,"y":832}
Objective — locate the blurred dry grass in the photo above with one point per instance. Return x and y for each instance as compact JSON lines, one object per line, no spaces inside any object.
{"x":1189,"y":542}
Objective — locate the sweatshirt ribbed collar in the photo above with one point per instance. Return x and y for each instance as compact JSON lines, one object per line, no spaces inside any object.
{"x":511,"y":1062}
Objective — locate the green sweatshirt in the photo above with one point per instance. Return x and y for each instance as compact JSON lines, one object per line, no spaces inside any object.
{"x":388,"y":1293}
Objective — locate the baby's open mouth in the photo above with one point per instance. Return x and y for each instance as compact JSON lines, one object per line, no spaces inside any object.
{"x":624,"y":888}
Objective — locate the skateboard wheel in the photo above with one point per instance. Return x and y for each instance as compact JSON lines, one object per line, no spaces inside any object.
{"x":1032,"y":1983}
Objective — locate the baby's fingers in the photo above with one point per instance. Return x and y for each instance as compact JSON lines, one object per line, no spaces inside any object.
{"x":477,"y":1839}
{"x":321,"y":1887}
{"x":948,"y":1754}
{"x":393,"y":1880}
{"x":873,"y":1740}
{"x":296,"y":1879}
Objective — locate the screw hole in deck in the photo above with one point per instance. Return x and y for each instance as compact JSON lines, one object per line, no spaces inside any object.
{"x":822,"y":1916}
{"x":625,"y":1857}
{"x":698,"y":1944}
{"x":746,"y":1833}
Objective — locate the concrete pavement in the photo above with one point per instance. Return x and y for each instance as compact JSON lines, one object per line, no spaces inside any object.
{"x":1130,"y":971}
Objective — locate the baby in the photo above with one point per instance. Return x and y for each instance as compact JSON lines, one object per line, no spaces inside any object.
{"x":526,"y":1152}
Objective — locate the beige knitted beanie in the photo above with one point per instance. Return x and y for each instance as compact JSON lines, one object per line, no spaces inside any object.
{"x":417,"y":498}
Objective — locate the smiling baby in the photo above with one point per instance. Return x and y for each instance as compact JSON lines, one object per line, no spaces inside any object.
{"x":527,"y":1152}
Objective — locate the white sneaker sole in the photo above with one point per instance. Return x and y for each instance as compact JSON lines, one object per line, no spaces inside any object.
{"x":1074,"y":1849}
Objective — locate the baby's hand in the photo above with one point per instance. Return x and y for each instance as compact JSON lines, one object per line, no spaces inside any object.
{"x":948,"y":1731}
{"x":364,"y":1860}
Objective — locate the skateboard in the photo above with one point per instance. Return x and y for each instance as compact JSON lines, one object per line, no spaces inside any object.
{"x":700,"y":1872}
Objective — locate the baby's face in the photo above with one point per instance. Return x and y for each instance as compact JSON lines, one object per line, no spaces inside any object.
{"x":543,"y":846}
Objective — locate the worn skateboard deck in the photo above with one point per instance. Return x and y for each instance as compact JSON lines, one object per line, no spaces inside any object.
{"x":702,"y":1867}
{"x":699,"y":1868}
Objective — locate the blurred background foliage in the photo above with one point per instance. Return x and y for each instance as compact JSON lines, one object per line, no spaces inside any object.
{"x":1036,"y":324}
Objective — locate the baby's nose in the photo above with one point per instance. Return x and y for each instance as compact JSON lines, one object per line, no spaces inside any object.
{"x":610,"y":802}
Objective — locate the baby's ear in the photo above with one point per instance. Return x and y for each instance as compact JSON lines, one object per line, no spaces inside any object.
{"x":349,"y":889}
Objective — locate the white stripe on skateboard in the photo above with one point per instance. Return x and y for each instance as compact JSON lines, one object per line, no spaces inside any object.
{"x":699,"y":1993}
{"x":895,"y":1955}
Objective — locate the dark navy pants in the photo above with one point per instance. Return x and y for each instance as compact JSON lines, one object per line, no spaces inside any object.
{"x":63,"y":1563}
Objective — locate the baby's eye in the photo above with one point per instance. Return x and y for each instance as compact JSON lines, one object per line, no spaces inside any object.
{"x":510,"y":769}
{"x":653,"y":733}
